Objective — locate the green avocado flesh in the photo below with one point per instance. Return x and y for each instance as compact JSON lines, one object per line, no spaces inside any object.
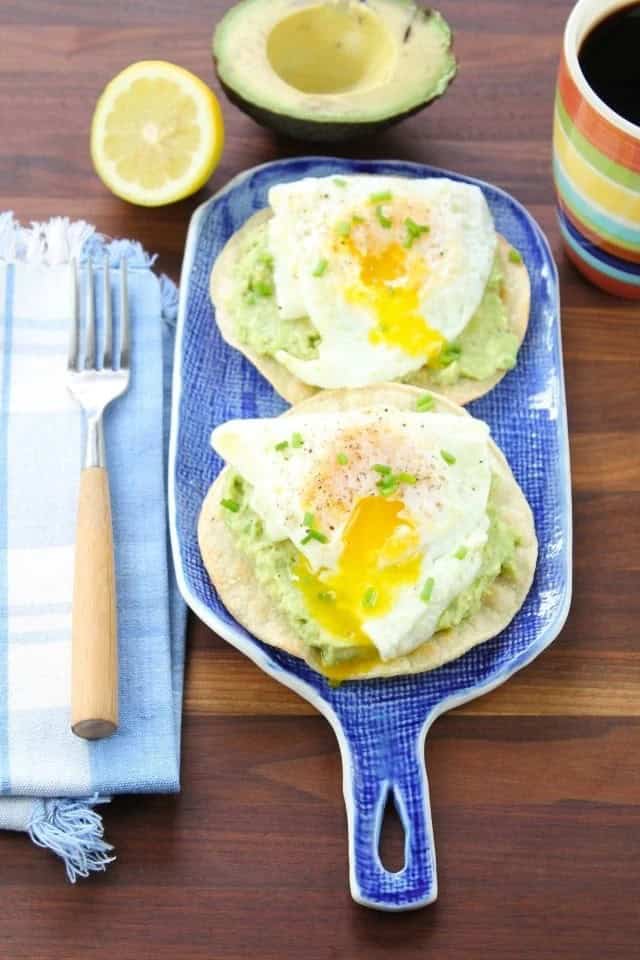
{"x":329,"y":70}
{"x":256,"y":319}
{"x":273,"y":563}
{"x":485,"y":346}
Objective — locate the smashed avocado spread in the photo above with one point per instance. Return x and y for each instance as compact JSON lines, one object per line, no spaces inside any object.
{"x":274,"y":564}
{"x":257,"y":321}
{"x":485,"y":346}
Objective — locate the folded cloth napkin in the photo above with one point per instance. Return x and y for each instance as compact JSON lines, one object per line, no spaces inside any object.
{"x":50,"y":780}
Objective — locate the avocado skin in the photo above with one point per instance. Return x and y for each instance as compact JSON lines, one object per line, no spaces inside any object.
{"x":315,"y":131}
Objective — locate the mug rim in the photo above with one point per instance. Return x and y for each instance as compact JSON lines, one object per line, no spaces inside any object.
{"x":584,"y":15}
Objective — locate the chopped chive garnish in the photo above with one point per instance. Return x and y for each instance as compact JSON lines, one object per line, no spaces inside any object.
{"x":461,"y":553}
{"x":340,"y":181}
{"x":232,"y":505}
{"x":250,"y":297}
{"x":450,"y":353}
{"x":328,"y":596}
{"x":384,"y":197}
{"x":370,"y":597}
{"x":343,"y":229}
{"x":414,"y":230}
{"x":427,"y":590}
{"x":425,"y":402}
{"x":342,"y":459}
{"x":389,"y":481}
{"x":514,"y":256}
{"x":264,"y":288}
{"x":447,"y":457}
{"x":320,"y":268}
{"x":386,"y":488}
{"x":315,"y":535}
{"x":267,"y":259}
{"x":296,"y":440}
{"x":311,"y":533}
{"x":385,"y":222}
{"x":357,"y":219}
{"x":282,"y":445}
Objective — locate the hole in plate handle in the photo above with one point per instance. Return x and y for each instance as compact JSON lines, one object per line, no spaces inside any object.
{"x":392,"y":842}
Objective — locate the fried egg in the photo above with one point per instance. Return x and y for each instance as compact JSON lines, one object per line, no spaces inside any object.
{"x":388,"y":269}
{"x":387,"y":511}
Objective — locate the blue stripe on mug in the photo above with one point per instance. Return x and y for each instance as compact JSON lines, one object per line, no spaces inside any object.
{"x":589,"y":246}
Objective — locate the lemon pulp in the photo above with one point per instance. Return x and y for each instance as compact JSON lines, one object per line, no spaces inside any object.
{"x":157,"y":133}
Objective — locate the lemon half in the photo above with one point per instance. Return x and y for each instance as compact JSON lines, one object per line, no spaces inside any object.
{"x":157,"y":133}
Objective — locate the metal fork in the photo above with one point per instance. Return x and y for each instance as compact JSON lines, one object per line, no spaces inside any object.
{"x":95,"y":382}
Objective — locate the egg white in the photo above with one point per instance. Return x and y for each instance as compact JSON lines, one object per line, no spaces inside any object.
{"x":457,"y":255}
{"x":447,"y":505}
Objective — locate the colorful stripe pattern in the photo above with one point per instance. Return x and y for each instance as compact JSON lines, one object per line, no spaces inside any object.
{"x":596,"y":170}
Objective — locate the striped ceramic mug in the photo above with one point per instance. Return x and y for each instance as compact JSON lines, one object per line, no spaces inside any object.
{"x":596,"y":167}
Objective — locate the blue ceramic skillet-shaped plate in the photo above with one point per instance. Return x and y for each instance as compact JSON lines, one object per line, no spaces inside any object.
{"x":380,"y":724}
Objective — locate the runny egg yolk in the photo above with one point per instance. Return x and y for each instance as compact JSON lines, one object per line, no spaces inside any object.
{"x":380,"y":554}
{"x":390,"y":287}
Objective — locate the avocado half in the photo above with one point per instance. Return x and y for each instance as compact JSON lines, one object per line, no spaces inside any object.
{"x":326,"y":71}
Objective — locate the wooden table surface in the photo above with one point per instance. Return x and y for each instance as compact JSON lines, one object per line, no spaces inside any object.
{"x":535,"y":788}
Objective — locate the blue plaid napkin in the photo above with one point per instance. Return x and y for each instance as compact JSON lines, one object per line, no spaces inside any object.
{"x":50,"y":780}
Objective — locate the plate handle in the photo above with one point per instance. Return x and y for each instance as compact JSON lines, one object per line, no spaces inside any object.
{"x":376,"y":767}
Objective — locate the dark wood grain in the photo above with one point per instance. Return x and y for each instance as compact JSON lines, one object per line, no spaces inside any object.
{"x":535,"y":787}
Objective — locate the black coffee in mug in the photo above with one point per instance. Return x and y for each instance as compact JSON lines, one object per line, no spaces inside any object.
{"x":609,"y":58}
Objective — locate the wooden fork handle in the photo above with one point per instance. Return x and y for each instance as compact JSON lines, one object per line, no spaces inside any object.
{"x":94,"y":661}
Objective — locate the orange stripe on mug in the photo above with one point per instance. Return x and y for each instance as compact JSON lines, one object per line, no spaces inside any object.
{"x":610,"y":284}
{"x":610,"y":140}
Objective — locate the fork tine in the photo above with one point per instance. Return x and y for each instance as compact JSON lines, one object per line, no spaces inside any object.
{"x":108,"y":318}
{"x":90,"y":349}
{"x":124,"y":317}
{"x":74,"y":332}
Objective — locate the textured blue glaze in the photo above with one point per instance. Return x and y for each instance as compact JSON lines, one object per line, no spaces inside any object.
{"x":380,"y":724}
